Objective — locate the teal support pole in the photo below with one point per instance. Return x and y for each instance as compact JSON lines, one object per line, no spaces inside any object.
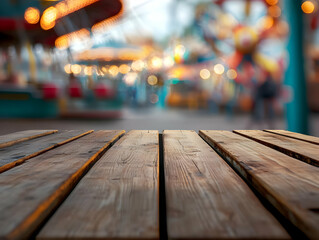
{"x":297,"y":109}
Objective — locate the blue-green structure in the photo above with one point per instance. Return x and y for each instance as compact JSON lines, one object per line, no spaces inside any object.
{"x":297,"y":111}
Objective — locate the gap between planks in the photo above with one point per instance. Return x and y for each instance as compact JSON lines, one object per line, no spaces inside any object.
{"x":292,"y":189}
{"x":298,"y":136}
{"x":118,"y":198}
{"x":206,"y":199}
{"x":21,"y":160}
{"x":300,"y":150}
{"x":17,"y":137}
{"x":47,"y":187}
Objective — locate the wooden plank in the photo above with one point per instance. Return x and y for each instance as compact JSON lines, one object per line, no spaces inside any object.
{"x":17,"y":154}
{"x":290,"y":186}
{"x":299,"y":136}
{"x":303,"y":151}
{"x":206,"y":199}
{"x":17,"y":137}
{"x":31,"y":191}
{"x":117,"y":199}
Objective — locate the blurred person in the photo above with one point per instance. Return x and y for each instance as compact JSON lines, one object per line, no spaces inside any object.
{"x":265,"y":92}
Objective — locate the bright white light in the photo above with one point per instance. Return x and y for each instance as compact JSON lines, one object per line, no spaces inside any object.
{"x":219,"y":69}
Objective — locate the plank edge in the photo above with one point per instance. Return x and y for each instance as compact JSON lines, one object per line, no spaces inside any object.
{"x":297,"y":138}
{"x":280,"y":204}
{"x":10,"y":143}
{"x":44,"y":209}
{"x":18,"y":162}
{"x":295,"y":155}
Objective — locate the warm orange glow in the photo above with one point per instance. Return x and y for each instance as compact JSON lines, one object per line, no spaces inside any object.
{"x":48,"y":18}
{"x":32,"y":15}
{"x":61,"y":9}
{"x":138,"y":65}
{"x":129,"y":54}
{"x":67,"y":68}
{"x":272,"y":2}
{"x":69,"y":6}
{"x":274,"y":11}
{"x":177,"y":73}
{"x":76,"y":69}
{"x":124,"y":69}
{"x":308,"y":7}
{"x":64,"y":41}
{"x":104,"y":69}
{"x":267,"y":22}
{"x":101,"y":26}
{"x":113,"y":70}
{"x":88,"y":70}
{"x":107,"y":54}
{"x":46,"y":25}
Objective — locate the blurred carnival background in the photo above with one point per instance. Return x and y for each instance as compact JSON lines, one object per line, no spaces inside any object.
{"x":169,"y":64}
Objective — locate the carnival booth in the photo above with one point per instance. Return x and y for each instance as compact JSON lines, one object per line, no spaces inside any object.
{"x":35,"y":39}
{"x":98,"y":78}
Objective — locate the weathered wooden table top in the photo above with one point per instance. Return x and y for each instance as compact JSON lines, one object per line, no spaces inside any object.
{"x":245,"y":184}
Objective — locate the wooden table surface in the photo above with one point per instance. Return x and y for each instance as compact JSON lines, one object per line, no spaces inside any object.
{"x":178,"y":184}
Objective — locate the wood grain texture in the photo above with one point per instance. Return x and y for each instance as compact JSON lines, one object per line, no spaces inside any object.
{"x":30,"y":192}
{"x":303,"y":151}
{"x":206,"y":199}
{"x":289,"y":185}
{"x":299,"y":136}
{"x":117,"y":198}
{"x":17,"y":137}
{"x":17,"y":154}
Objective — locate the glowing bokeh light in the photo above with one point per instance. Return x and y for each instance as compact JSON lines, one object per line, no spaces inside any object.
{"x":124,"y":69}
{"x":48,"y":18}
{"x":180,"y":50}
{"x":138,"y":65}
{"x":219,"y":69}
{"x":231,"y":74}
{"x":32,"y":15}
{"x":130,"y":78}
{"x":100,"y":27}
{"x":69,"y":6}
{"x":267,"y":22}
{"x":272,"y":2}
{"x":61,"y":9}
{"x":168,"y":62}
{"x":88,"y":71}
{"x":104,"y":69}
{"x":67,"y":68}
{"x":274,"y":11}
{"x":76,"y":69}
{"x":204,"y":73}
{"x":62,"y":42}
{"x":308,"y":7}
{"x":66,"y":40}
{"x":114,"y":70}
{"x":152,"y":80}
{"x":156,"y":63}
